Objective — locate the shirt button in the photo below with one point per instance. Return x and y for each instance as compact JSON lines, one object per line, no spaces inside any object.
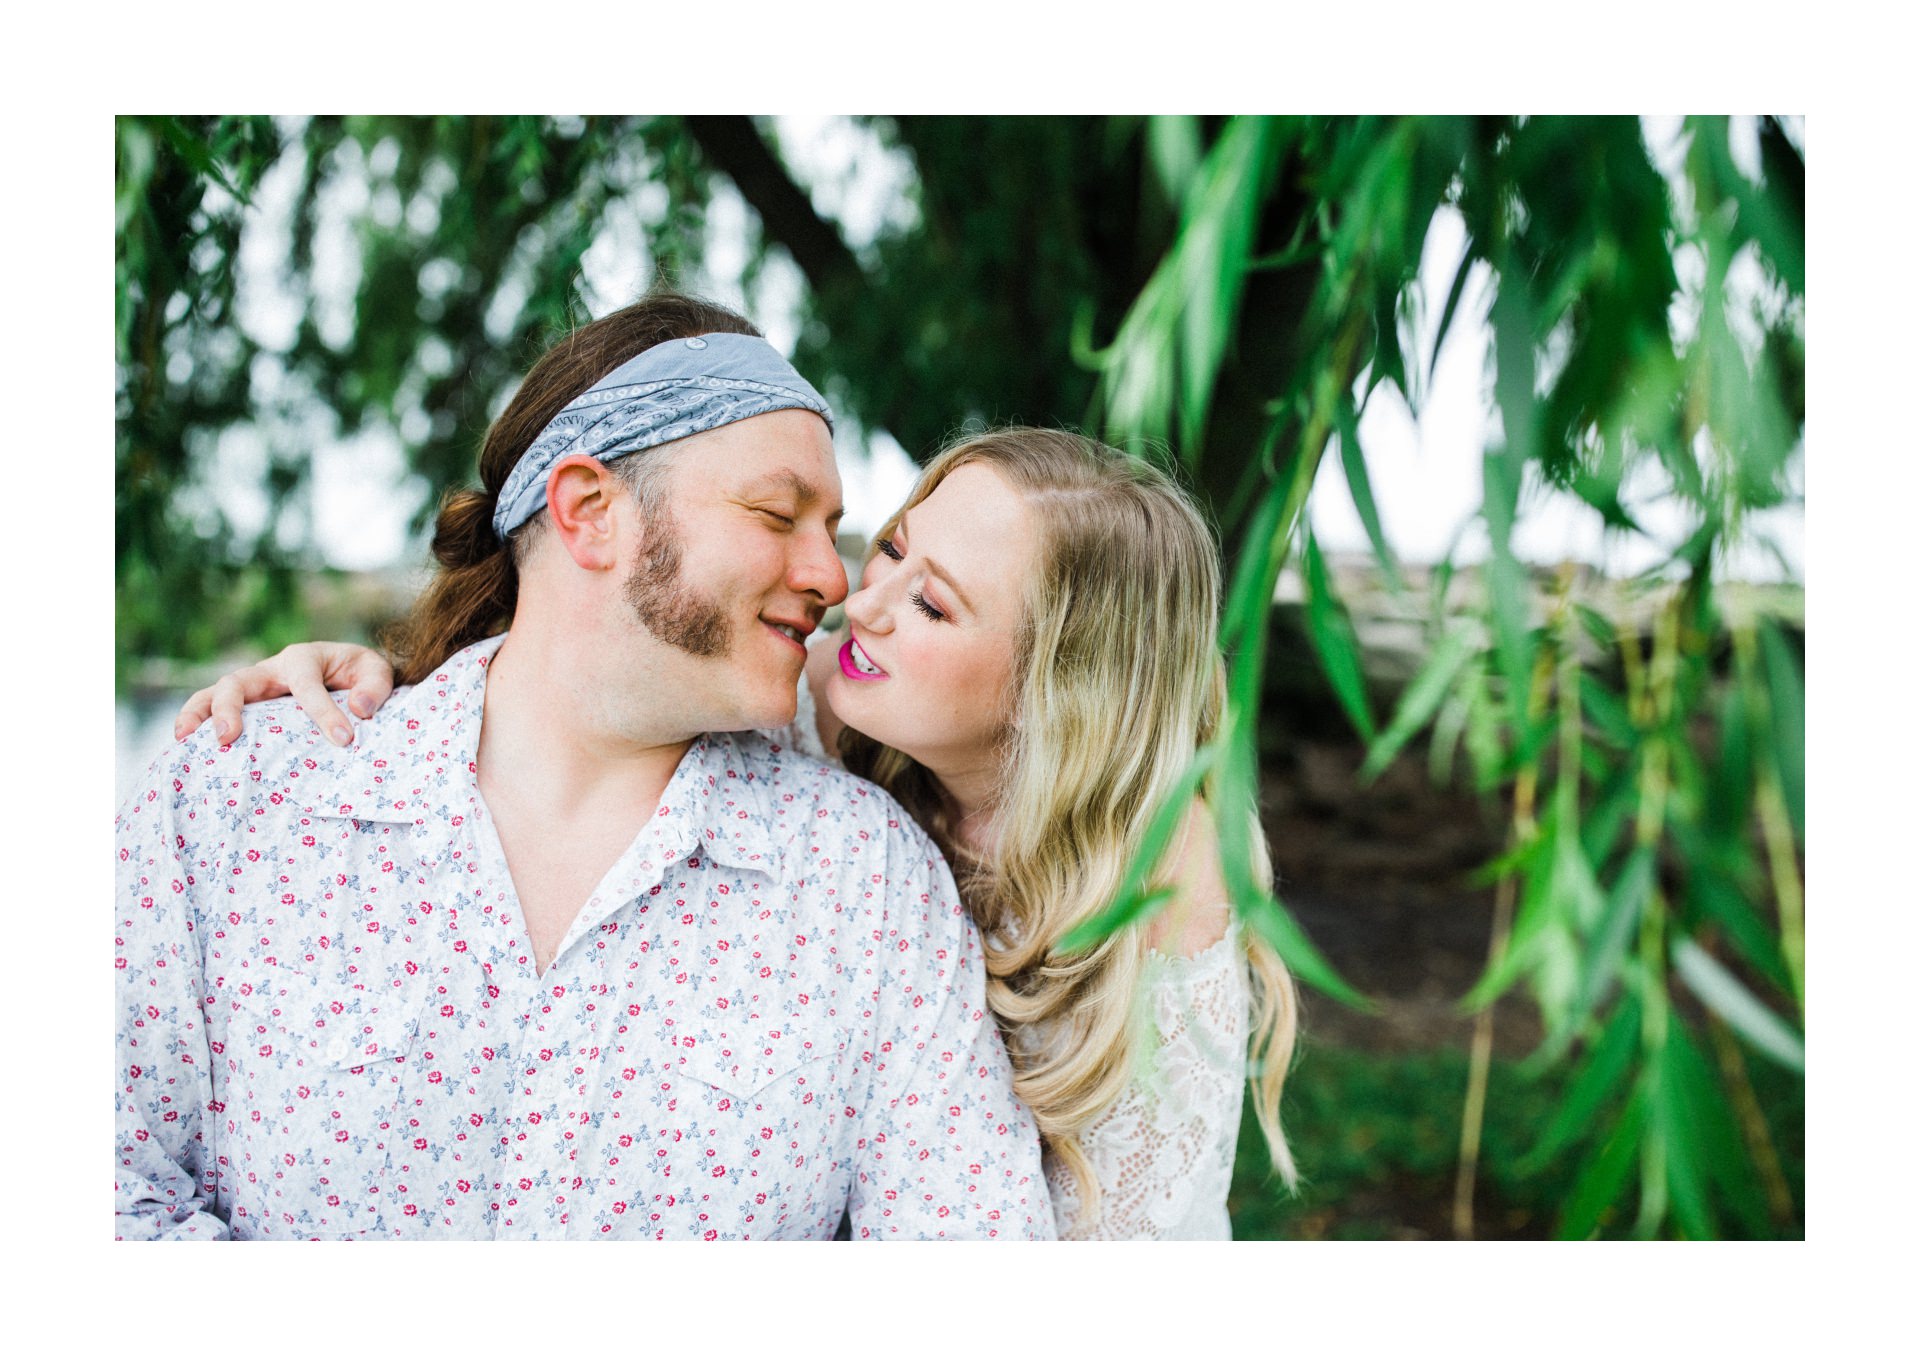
{"x":339,"y":1048}
{"x":696,"y":343}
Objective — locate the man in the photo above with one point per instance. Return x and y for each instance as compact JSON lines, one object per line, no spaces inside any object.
{"x":546,"y":953}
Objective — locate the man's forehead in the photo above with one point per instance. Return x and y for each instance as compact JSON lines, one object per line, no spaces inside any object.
{"x":789,"y":451}
{"x":807,"y":485}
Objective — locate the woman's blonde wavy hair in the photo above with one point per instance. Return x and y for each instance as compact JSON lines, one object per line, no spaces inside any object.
{"x":1117,"y":681}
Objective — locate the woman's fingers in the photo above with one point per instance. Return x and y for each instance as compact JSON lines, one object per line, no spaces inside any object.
{"x":193,"y":713}
{"x":229,"y":696}
{"x":301,"y":671}
{"x":372,"y":682}
{"x":306,"y":671}
{"x":310,"y":695}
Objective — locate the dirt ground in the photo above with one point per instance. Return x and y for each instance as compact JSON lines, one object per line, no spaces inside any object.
{"x":1380,"y":878}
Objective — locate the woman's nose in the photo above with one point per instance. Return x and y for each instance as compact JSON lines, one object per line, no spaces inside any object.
{"x":868,"y":609}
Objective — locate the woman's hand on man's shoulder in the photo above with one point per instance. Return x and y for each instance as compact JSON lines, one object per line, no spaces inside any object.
{"x":306,"y":671}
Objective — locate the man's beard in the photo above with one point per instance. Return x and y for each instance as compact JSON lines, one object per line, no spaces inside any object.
{"x":665,"y":603}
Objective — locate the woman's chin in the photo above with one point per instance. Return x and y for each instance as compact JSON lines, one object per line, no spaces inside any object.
{"x":843,"y":699}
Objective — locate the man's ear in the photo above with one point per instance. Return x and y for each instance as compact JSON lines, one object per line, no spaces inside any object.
{"x":581,"y":498}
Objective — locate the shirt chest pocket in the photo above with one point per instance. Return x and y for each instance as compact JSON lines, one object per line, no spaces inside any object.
{"x":323,"y":1064}
{"x":782,"y":1061}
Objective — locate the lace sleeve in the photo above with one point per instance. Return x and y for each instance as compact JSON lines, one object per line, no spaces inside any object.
{"x":1163,"y":1152}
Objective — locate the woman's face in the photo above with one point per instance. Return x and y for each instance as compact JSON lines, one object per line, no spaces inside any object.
{"x":926,"y":664}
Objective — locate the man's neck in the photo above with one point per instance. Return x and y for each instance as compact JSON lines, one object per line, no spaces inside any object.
{"x":570,"y":770}
{"x":566,"y":737}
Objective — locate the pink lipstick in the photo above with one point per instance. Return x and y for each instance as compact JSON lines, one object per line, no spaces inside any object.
{"x":851,"y":657}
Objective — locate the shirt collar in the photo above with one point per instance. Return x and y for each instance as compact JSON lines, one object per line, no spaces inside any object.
{"x":406,"y":764}
{"x":720,"y":798}
{"x":408,"y":761}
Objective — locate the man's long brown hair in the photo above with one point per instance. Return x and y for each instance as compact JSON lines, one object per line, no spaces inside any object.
{"x":473,"y":592}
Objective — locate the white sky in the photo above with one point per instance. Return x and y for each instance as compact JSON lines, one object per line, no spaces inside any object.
{"x":1425,"y":472}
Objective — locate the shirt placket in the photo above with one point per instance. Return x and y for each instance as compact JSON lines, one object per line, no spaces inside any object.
{"x":540,"y":1192}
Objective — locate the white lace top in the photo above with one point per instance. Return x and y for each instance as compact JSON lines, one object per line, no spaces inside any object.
{"x":1162,"y":1154}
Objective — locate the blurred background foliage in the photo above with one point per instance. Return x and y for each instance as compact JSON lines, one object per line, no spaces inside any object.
{"x":1598,"y":783}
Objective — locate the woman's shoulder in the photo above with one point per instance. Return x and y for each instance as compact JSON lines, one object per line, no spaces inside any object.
{"x":1199,"y":916}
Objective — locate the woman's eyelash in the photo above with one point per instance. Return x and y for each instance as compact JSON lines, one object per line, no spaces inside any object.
{"x":886,"y":548}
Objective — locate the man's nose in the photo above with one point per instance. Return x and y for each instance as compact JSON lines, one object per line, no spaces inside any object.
{"x":816,"y":568}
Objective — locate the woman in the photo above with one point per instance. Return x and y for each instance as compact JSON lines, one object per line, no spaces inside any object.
{"x":1028,"y":666}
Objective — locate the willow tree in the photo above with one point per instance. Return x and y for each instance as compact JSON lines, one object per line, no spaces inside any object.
{"x":1645,"y":333}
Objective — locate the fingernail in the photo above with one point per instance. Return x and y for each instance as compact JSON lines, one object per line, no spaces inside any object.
{"x":341,"y":735}
{"x":362,"y":706}
{"x":224,"y":731}
{"x":176,"y":728}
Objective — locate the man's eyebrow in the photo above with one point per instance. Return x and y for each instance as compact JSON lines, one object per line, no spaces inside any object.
{"x":803,"y":491}
{"x":934,"y":568}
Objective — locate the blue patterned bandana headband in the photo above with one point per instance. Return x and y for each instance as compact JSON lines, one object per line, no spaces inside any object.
{"x":671,"y":391}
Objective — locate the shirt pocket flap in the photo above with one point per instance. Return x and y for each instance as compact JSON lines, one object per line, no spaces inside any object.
{"x":743,"y":1060}
{"x":338,"y":1026}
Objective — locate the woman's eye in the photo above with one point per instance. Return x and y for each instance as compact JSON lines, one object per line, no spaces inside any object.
{"x":919,"y":600}
{"x":888,"y":549}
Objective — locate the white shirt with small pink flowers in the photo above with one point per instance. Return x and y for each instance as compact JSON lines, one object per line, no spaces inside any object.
{"x":769,"y":1014}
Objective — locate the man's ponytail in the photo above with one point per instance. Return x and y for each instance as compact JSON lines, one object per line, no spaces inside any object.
{"x":471,"y":595}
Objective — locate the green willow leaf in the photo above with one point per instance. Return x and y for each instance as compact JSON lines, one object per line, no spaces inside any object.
{"x":1234,"y":784}
{"x":1271,"y":919}
{"x":1598,"y":626}
{"x":1730,"y":803}
{"x":1174,"y":150}
{"x":1166,"y":358}
{"x":1711,"y":1125}
{"x":1353,"y":461}
{"x":1721,"y":901}
{"x":197,"y":153}
{"x":1508,"y":589}
{"x":1216,"y":249}
{"x":1540,"y":907}
{"x":1782,"y":230}
{"x":1679,"y":1131}
{"x":1445,"y":740}
{"x":1132,"y":901}
{"x":1249,"y":607}
{"x":1333,"y":640}
{"x":1716,"y":986}
{"x":1418,"y":702}
{"x":1595,"y":1081}
{"x":1618,"y":796}
{"x":1454,"y":294}
{"x":1786,"y":698}
{"x":1607,"y":712}
{"x":1600,"y":1182}
{"x":1606,"y":949}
